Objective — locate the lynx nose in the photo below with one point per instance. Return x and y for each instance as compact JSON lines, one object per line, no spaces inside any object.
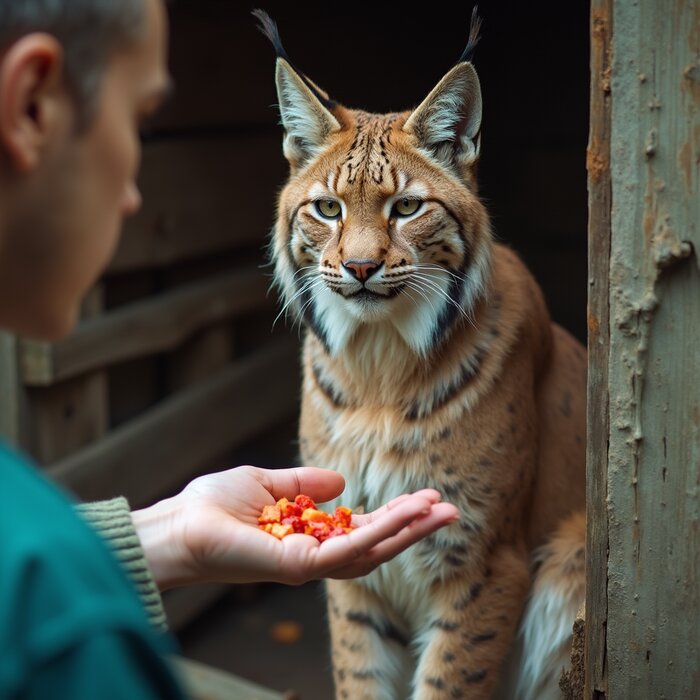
{"x":361,"y":270}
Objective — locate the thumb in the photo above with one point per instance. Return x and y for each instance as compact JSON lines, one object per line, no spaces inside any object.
{"x":319,"y":484}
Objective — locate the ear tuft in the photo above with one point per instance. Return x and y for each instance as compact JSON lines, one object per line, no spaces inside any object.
{"x":269,"y":28}
{"x":474,"y":37}
{"x":305,"y":109}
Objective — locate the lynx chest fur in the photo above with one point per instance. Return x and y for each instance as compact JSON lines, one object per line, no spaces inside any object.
{"x":430,"y":361}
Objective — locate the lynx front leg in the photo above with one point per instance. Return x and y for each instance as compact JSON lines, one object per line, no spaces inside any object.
{"x":471,"y":631}
{"x":369,"y":647}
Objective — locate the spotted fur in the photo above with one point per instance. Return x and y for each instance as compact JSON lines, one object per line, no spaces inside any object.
{"x":429,"y":361}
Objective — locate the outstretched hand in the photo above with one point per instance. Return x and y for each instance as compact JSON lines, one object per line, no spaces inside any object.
{"x":209,"y":531}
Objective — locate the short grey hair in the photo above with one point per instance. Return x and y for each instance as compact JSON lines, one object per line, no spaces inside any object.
{"x":89,"y":31}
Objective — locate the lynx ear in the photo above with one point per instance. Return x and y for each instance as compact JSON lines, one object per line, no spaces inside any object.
{"x":304,"y":107}
{"x":307,"y":121}
{"x":447,"y":123}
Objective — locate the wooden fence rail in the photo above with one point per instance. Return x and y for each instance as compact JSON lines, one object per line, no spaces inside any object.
{"x":145,"y":458}
{"x":153,"y":325}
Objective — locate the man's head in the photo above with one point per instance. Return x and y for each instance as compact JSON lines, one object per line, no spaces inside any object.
{"x":89,"y":32}
{"x":76,"y":79}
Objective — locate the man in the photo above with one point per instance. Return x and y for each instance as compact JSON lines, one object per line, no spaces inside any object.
{"x":76,"y":78}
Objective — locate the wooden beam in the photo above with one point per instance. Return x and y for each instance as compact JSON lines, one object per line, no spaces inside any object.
{"x":153,"y":325}
{"x":162,"y":449}
{"x":599,"y":205}
{"x":653,"y":474}
{"x":204,"y":682}
{"x":69,"y":415}
{"x":13,"y":408}
{"x":202,"y":196}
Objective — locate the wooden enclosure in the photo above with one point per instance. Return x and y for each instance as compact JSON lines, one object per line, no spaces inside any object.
{"x":643,"y":602}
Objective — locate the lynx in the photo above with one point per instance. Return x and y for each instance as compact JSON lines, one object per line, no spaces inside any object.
{"x":430,"y":360}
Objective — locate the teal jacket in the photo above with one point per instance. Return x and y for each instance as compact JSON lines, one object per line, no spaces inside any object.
{"x":72,"y":625}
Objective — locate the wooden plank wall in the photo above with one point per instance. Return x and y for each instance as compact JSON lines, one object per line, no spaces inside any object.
{"x":650,"y":475}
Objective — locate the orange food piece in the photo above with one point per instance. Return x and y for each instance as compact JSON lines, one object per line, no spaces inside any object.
{"x":287,"y":632}
{"x":313,"y":514}
{"x":302,"y":516}
{"x":270,"y":514}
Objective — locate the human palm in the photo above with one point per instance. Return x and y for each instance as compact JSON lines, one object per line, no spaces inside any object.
{"x":214,"y":524}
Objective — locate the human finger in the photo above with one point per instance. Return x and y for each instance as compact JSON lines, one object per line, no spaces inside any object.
{"x":362,"y":519}
{"x":441,"y":514}
{"x":319,"y":484}
{"x":340,"y":551}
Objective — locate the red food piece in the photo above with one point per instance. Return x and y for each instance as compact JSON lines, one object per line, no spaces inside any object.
{"x":342,"y":516}
{"x":289,"y":508}
{"x":295,"y":521}
{"x":304,"y":501}
{"x":302,"y":516}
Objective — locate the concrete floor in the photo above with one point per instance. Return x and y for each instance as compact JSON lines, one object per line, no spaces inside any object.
{"x":237,"y":634}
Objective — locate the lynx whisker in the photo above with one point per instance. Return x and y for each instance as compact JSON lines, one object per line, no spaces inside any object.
{"x":462,"y":277}
{"x":416,"y":288}
{"x":432,"y":284}
{"x":303,"y":269}
{"x":308,"y":285}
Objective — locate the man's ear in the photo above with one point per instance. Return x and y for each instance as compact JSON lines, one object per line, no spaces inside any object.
{"x":32,"y":97}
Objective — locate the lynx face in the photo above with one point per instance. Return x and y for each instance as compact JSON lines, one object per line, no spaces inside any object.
{"x":380,"y":222}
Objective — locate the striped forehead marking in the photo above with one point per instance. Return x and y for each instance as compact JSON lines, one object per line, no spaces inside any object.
{"x":367,"y":158}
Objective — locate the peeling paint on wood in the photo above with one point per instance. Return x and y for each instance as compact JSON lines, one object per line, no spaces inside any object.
{"x":653,"y":468}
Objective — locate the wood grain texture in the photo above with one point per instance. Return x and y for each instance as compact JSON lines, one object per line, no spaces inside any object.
{"x":599,"y":204}
{"x":156,"y":324}
{"x":13,"y":414}
{"x":201,"y":196}
{"x":157,"y":453}
{"x":653,"y":481}
{"x":68,"y":415}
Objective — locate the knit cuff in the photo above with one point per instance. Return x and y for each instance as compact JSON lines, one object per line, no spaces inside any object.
{"x":112,"y":521}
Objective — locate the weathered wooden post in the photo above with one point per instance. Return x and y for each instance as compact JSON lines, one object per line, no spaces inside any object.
{"x":643,"y":601}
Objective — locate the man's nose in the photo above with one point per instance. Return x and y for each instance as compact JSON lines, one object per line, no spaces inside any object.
{"x":132,"y":200}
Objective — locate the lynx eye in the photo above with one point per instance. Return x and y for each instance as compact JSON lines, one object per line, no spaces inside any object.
{"x":406,"y":206}
{"x":328,"y":208}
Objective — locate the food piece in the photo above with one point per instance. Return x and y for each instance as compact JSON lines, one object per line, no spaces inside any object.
{"x":302,"y":516}
{"x":270,"y":514}
{"x":287,"y":632}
